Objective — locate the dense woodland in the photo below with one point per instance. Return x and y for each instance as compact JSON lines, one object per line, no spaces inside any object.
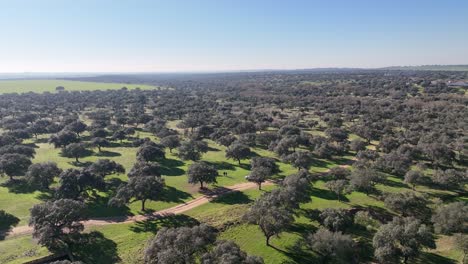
{"x":403,"y":129}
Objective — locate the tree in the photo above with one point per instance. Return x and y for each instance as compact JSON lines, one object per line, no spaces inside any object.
{"x":171,"y":142}
{"x":14,"y":165}
{"x":99,"y":133}
{"x":238,"y":152}
{"x":39,"y":127}
{"x":335,"y":219}
{"x":100,"y":142}
{"x":408,"y":204}
{"x":337,"y":134}
{"x":142,"y":168}
{"x":438,"y":153}
{"x":192,"y":150}
{"x":74,"y":183}
{"x":339,"y":187}
{"x":104,"y":167}
{"x":300,"y":159}
{"x":338,"y":173}
{"x":364,"y":180}
{"x":331,"y":246}
{"x":150,"y":151}
{"x":413,"y":177}
{"x":18,"y":149}
{"x":42,"y":174}
{"x":75,"y":150}
{"x":259,"y":175}
{"x":179,"y":245}
{"x":357,"y":145}
{"x":228,"y":252}
{"x":294,"y":189}
{"x":141,"y":188}
{"x":226,"y":140}
{"x":450,"y":179}
{"x":269,"y":216}
{"x":262,"y":169}
{"x":76,"y":126}
{"x":451,"y":218}
{"x":119,"y":135}
{"x":401,"y":238}
{"x":394,"y":163}
{"x":55,"y":223}
{"x":461,"y":243}
{"x":63,"y":138}
{"x":265,"y":162}
{"x":201,"y":172}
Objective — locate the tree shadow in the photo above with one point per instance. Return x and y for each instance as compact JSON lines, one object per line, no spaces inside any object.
{"x":94,"y":247}
{"x":46,"y":195}
{"x":213,"y":149}
{"x":41,"y":140}
{"x":167,"y":171}
{"x":80,"y":164}
{"x":7,"y":221}
{"x":169,"y":167}
{"x":431,"y":258}
{"x":297,"y":253}
{"x":153,"y":224}
{"x":301,"y":228}
{"x":121,"y":145}
{"x":233,"y":198}
{"x":318,"y":163}
{"x":379,"y":213}
{"x":223,"y":165}
{"x":18,"y":186}
{"x":98,"y":206}
{"x":395,"y":184}
{"x":245,"y":166}
{"x":324,"y":194}
{"x":105,"y":153}
{"x":171,"y":194}
{"x":342,"y":160}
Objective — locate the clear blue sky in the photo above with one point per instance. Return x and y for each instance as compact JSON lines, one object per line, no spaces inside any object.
{"x":216,"y":35}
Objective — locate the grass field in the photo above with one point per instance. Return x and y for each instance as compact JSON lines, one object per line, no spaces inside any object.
{"x":40,"y":86}
{"x":127,"y":241}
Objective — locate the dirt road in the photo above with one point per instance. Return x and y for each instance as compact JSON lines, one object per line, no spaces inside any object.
{"x":178,"y":209}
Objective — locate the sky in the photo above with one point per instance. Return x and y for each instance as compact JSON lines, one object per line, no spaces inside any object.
{"x":228,"y":35}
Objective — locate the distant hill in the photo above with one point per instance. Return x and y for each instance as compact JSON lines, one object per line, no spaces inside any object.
{"x":429,"y":68}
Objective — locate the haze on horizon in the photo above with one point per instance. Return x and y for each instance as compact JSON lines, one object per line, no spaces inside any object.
{"x":210,"y":35}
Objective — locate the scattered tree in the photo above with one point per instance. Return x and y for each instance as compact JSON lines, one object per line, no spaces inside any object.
{"x":201,"y":172}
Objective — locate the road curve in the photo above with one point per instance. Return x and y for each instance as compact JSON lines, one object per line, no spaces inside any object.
{"x":178,"y":209}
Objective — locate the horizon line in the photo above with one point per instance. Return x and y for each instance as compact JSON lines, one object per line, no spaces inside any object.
{"x":229,"y":71}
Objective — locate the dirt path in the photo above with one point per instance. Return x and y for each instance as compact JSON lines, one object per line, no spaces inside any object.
{"x":178,"y":209}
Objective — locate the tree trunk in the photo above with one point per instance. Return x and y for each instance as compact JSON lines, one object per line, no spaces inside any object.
{"x":239,"y":161}
{"x":76,"y":158}
{"x":268,"y":241}
{"x":201,"y":184}
{"x":170,"y":150}
{"x":405,"y":260}
{"x":143,"y":204}
{"x":99,"y":148}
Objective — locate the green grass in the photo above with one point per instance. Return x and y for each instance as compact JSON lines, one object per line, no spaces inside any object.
{"x":225,"y":213}
{"x":40,"y":86}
